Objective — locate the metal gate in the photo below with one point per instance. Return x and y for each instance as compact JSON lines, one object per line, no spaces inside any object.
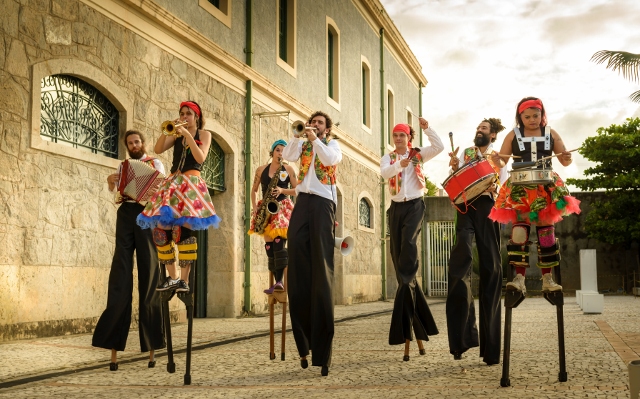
{"x":440,"y":239}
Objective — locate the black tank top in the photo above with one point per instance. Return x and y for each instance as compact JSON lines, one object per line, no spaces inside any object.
{"x":526,"y":154}
{"x":265,"y":180}
{"x":189,"y":161}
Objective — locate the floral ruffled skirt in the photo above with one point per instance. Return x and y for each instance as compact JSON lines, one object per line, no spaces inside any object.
{"x":534,"y":204}
{"x":278,"y":223}
{"x":181,"y":200}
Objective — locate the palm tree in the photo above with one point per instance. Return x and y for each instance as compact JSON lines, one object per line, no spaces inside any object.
{"x":626,"y":63}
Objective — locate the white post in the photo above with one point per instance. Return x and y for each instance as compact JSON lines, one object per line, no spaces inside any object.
{"x":588,"y":298}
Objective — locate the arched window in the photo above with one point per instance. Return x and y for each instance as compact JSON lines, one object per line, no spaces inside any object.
{"x":364,"y":213}
{"x":213,"y":168}
{"x":75,"y":113}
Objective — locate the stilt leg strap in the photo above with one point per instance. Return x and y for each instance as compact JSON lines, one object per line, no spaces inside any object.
{"x":518,"y":253}
{"x":549,"y":256}
{"x":166,"y":253}
{"x":187,"y":250}
{"x":281,"y":259}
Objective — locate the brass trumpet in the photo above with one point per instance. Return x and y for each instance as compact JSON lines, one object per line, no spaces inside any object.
{"x":298,"y":128}
{"x":169,"y":127}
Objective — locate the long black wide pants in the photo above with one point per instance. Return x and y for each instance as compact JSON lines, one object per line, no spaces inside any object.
{"x":461,"y":316}
{"x":410,"y":308}
{"x":112,"y":329}
{"x":311,"y":241}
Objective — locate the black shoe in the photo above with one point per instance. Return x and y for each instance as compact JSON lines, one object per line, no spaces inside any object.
{"x":457,"y":355}
{"x":405,"y":358}
{"x":423,"y":352}
{"x":113,"y":366}
{"x":152,"y":364}
{"x":304,"y":363}
{"x":182,"y":286}
{"x":325,"y":371}
{"x":168,"y":285}
{"x":491,"y":362}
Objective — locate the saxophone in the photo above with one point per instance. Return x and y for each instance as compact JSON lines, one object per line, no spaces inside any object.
{"x":269,"y":205}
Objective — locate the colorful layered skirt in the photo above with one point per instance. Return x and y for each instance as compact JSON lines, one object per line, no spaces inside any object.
{"x":278,"y":223}
{"x":181,"y":200}
{"x":534,"y":204}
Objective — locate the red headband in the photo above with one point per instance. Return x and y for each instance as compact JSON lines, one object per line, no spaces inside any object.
{"x":191,"y":105}
{"x":402,"y":127}
{"x":530,"y":104}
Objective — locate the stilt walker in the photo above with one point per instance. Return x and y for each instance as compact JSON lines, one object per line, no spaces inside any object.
{"x":181,"y":205}
{"x":534,"y":195}
{"x":271,"y":220}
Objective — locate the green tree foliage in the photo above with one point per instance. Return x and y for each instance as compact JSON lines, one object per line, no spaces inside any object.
{"x":616,"y":150}
{"x":432,"y":190}
{"x":628,"y":64}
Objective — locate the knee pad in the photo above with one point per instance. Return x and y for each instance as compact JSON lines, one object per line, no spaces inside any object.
{"x":268,"y":247}
{"x":520,"y":233}
{"x":281,"y":259}
{"x":279,"y":243}
{"x":518,"y":246}
{"x":164,"y":245}
{"x":546,"y":236}
{"x":187,"y":251}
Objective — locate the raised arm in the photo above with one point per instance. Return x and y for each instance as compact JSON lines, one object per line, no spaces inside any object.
{"x":329,"y":154}
{"x":564,"y":156}
{"x":292,"y":150}
{"x":504,"y":150}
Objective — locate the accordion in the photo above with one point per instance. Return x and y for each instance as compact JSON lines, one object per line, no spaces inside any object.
{"x":138,"y":181}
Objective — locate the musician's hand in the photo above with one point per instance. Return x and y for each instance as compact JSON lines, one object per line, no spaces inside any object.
{"x":276,"y":191}
{"x":112,"y":179}
{"x":493,"y":188}
{"x":566,"y":158}
{"x":454,"y":162}
{"x":405,"y":162}
{"x":424,"y":124}
{"x":497,"y":159}
{"x":311,"y":133}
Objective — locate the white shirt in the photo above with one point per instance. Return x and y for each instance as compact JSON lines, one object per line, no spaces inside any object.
{"x":329,"y":154}
{"x":410,"y":188}
{"x":157,"y":164}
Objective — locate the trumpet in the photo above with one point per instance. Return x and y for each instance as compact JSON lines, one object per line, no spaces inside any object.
{"x":169,"y":127}
{"x":299,"y":127}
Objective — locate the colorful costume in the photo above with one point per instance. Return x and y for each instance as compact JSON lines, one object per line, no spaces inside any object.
{"x":471,"y":222}
{"x":406,"y":185}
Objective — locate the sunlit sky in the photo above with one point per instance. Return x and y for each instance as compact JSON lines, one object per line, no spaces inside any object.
{"x":482,"y":56}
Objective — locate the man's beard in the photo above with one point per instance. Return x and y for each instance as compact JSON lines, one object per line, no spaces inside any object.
{"x":481,"y":141}
{"x":137,"y":154}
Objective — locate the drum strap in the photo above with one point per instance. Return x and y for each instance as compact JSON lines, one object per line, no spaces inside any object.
{"x":534,"y":140}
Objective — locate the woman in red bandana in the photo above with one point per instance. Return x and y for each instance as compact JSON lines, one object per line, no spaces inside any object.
{"x":182,"y":203}
{"x":541,"y":205}
{"x":403,"y":169}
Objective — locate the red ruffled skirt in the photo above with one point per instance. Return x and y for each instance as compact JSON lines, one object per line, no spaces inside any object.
{"x":534,"y":204}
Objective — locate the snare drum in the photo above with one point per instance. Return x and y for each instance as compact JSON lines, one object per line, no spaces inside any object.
{"x":531,"y":176}
{"x":470,"y":181}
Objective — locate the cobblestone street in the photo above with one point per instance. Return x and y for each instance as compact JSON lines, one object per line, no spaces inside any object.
{"x":225,"y":364}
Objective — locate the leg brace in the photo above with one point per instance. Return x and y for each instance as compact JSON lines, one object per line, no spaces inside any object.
{"x":165,"y":246}
{"x":548,"y":248}
{"x":518,"y":246}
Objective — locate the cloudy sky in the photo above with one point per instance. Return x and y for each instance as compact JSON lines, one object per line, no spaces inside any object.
{"x":482,"y":56}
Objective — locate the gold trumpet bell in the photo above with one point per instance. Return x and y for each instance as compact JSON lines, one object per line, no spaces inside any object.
{"x":169,"y":127}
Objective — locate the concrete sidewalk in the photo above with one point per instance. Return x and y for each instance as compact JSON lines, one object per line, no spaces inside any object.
{"x":598,"y":347}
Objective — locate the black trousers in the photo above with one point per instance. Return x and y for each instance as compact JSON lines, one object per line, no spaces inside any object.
{"x":311,"y":242}
{"x":461,"y":316}
{"x":410,"y":309}
{"x":113,"y":326}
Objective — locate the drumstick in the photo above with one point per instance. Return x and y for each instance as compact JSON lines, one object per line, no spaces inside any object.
{"x":451,"y":140}
{"x":555,"y":155}
{"x":509,"y":156}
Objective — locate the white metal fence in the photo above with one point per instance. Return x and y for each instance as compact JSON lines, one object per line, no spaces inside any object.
{"x":440,"y":238}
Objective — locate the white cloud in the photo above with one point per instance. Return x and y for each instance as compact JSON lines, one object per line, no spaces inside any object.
{"x":481,"y":57}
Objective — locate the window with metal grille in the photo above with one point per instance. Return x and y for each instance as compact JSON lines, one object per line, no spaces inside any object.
{"x":364,"y":213}
{"x":282,"y":30}
{"x":213,"y":168}
{"x":74,"y":113}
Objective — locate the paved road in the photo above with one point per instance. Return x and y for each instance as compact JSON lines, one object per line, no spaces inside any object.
{"x":364,"y":365}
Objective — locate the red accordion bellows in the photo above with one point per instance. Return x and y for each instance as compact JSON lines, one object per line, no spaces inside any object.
{"x":138,"y":181}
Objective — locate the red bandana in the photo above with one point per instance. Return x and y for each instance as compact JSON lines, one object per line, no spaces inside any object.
{"x":530,"y":104}
{"x":191,"y":105}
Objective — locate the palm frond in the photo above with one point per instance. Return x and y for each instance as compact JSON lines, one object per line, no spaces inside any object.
{"x":635,"y":96}
{"x":628,"y":64}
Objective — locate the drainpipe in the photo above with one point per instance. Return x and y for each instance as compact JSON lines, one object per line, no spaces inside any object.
{"x":248,"y":172}
{"x":423,"y":234}
{"x":383,"y":150}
